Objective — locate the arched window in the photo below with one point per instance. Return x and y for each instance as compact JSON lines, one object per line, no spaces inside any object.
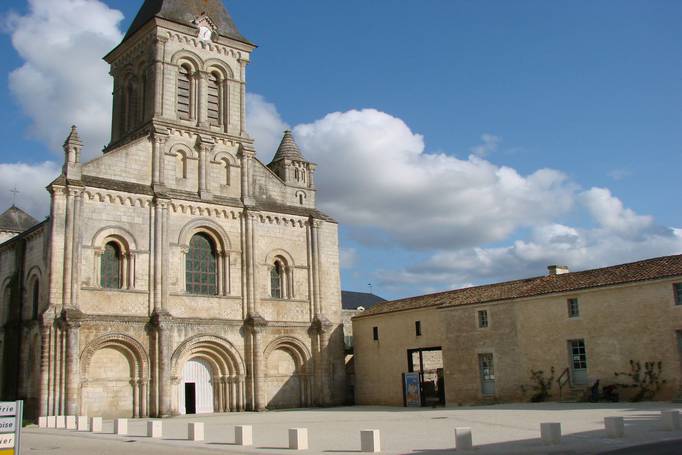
{"x":110,"y":267}
{"x":202,"y":266}
{"x":277,"y":281}
{"x":36,"y":298}
{"x":214,"y":96}
{"x":300,"y":198}
{"x":184,"y":92}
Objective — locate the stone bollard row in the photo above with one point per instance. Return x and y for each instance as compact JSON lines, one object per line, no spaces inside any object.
{"x":463,"y":439}
{"x":96,"y":424}
{"x":298,"y":438}
{"x":370,"y":441}
{"x":121,"y":427}
{"x":195,"y":431}
{"x":243,"y":435}
{"x":670,"y":420}
{"x":614,"y":426}
{"x":550,"y":433}
{"x":155,"y":429}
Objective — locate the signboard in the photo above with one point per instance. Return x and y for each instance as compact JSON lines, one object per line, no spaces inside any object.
{"x":8,"y":409}
{"x":10,"y":427}
{"x":7,"y":441}
{"x":412,"y":389}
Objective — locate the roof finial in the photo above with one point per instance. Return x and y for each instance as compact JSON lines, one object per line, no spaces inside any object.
{"x":14,"y":196}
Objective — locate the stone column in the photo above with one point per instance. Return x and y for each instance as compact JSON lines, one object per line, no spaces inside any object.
{"x":159,"y":56}
{"x":315,"y":265}
{"x":136,"y":397}
{"x":258,"y":369}
{"x":201,"y":79}
{"x":44,"y":369}
{"x":242,"y":97}
{"x":248,"y":262}
{"x":116,"y":114}
{"x":72,"y":368}
{"x":205,"y":152}
{"x":76,"y":245}
{"x":324,"y":364}
{"x":158,"y":140}
{"x":164,"y":380}
{"x":144,"y":397}
{"x":68,"y":249}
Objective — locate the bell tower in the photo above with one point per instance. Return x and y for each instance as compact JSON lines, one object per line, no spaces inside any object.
{"x":182,"y":64}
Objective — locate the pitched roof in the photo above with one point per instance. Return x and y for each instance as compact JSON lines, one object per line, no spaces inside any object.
{"x":184,"y":12}
{"x":649,"y":269}
{"x":352,"y":300}
{"x":16,"y":220}
{"x":288,"y":150}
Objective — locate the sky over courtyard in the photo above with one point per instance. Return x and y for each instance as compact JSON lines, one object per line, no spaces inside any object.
{"x":458,"y":143}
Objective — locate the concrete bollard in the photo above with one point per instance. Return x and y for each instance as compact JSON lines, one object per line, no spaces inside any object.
{"x":70,"y":422}
{"x":51,"y":421}
{"x":83,"y":423}
{"x":42,"y":422}
{"x":121,"y":426}
{"x":370,"y":441}
{"x":670,"y":420}
{"x":298,"y":438}
{"x":243,"y":435}
{"x":615,"y":427}
{"x":463,"y":439}
{"x":550,"y":432}
{"x":96,"y":424}
{"x":195,"y":431}
{"x":61,"y":422}
{"x":155,"y":429}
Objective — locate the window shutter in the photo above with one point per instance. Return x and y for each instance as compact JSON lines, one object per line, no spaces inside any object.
{"x":184,"y":93}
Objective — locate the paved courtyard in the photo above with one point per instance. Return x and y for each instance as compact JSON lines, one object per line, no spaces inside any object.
{"x":498,"y":429}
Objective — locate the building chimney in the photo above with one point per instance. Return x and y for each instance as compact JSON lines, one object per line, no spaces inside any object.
{"x":558,"y":269}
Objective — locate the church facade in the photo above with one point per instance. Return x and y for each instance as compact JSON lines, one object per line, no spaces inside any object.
{"x":176,"y":273}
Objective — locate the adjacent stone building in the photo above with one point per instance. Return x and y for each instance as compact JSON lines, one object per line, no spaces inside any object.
{"x":176,"y":273}
{"x":484,"y":341}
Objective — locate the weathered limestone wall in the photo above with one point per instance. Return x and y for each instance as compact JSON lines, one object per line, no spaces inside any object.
{"x":379,"y":365}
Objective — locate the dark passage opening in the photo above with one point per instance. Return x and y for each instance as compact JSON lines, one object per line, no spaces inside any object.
{"x":190,"y":398}
{"x":428,"y":362}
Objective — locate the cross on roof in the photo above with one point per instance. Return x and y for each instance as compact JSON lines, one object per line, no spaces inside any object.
{"x":14,"y":195}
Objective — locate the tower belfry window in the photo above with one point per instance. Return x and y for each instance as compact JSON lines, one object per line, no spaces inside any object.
{"x":214,"y":99}
{"x":184,"y":93}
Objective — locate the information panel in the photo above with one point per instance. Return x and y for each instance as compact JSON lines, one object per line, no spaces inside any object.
{"x":11,"y":416}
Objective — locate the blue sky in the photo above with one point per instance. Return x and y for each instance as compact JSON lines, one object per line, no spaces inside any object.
{"x":538,"y":131}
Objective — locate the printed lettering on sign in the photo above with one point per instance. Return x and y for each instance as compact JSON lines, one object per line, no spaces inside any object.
{"x":7,"y":441}
{"x":8,"y":408}
{"x":7,"y":425}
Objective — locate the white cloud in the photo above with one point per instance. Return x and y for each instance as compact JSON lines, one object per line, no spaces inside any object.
{"x":265,"y":125}
{"x":619,"y":174}
{"x":30,"y":180}
{"x":622,"y":236}
{"x":374,"y":172}
{"x":348,"y":257}
{"x":489,"y":144}
{"x":64,"y":80}
{"x":609,"y":212}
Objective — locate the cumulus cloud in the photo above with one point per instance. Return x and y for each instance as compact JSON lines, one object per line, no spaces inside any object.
{"x":374,"y":172}
{"x":63,"y":79}
{"x":621,"y":237}
{"x":264,"y":124}
{"x":489,"y":144}
{"x":30,"y":180}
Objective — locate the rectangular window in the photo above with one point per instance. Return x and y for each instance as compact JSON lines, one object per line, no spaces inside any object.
{"x":573,"y":308}
{"x":483,"y":319}
{"x":678,"y":293}
{"x":375,"y":333}
{"x":418,"y":328}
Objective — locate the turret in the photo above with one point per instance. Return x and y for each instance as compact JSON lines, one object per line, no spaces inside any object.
{"x":290,"y":165}
{"x":72,"y":155}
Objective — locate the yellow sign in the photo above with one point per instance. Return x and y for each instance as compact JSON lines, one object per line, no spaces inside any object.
{"x":6,"y":451}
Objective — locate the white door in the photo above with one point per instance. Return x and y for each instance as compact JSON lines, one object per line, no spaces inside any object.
{"x":196,"y":379}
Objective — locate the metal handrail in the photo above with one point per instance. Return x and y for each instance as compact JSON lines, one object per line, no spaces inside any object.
{"x":564,"y":378}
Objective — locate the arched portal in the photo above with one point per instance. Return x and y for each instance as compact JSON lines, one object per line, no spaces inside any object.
{"x":114,"y":377}
{"x":217,"y":371}
{"x":287,"y":374}
{"x":196,"y":388}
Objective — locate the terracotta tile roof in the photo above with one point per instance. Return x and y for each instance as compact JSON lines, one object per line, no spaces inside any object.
{"x":648,"y":269}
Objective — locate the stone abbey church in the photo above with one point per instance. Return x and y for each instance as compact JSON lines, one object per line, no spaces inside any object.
{"x":176,"y":272}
